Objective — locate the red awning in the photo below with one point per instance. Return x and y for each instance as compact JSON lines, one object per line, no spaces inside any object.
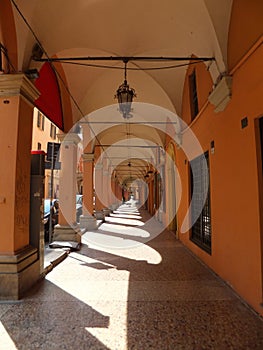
{"x":49,"y":102}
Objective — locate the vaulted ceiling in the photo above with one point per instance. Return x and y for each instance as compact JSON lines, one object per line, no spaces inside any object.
{"x":108,"y":28}
{"x":81,"y":28}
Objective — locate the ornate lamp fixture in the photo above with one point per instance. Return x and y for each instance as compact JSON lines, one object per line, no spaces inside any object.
{"x":125,"y":95}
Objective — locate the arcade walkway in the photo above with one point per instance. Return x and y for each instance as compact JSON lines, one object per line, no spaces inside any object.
{"x":152,"y":296}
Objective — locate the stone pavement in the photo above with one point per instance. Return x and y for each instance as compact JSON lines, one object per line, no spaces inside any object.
{"x":125,"y":290}
{"x":52,"y":257}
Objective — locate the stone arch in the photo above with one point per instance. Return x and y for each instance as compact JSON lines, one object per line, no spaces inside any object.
{"x":8,"y":36}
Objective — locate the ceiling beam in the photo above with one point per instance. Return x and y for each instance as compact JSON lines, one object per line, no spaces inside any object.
{"x":126,"y":159}
{"x":128,"y":146}
{"x":145,"y":122}
{"x":124,"y":58}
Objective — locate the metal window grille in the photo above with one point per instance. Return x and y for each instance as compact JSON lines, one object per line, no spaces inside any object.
{"x":201,"y":228}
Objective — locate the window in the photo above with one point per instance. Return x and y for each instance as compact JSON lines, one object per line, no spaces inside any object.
{"x":193,"y":95}
{"x":200,"y":189}
{"x":39,"y":146}
{"x":40,"y":120}
{"x":43,"y":122}
{"x":52,"y":131}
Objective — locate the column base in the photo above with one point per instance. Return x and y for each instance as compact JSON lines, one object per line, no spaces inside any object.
{"x":88,"y":222}
{"x":18,"y":273}
{"x":106,"y":211}
{"x":114,"y":206}
{"x":99,"y":215}
{"x":67,"y":233}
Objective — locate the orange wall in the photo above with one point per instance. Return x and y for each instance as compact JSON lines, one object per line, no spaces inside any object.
{"x":236,"y":253}
{"x":245,"y":28}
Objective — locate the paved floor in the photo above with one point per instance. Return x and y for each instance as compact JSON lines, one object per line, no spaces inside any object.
{"x":115,"y":294}
{"x":53,"y":257}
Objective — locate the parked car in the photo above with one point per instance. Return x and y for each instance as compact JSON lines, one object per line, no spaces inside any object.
{"x":78,"y":206}
{"x":55,"y":211}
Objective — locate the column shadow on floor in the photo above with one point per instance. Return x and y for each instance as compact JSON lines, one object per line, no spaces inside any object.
{"x":49,"y":318}
{"x":173,"y":302}
{"x":178,"y":303}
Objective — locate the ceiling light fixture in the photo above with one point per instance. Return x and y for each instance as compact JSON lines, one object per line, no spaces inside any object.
{"x":125,"y":95}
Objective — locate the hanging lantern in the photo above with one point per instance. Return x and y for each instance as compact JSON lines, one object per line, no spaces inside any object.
{"x":125,"y":95}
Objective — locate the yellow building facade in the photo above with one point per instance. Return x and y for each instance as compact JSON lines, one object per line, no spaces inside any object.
{"x":45,"y":131}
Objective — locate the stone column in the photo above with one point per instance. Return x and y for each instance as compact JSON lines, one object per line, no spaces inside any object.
{"x":98,"y":186}
{"x":113,"y":197}
{"x":144,"y":194}
{"x":119,"y":191}
{"x":99,"y":191}
{"x":150,"y":197}
{"x":87,"y":220}
{"x":19,"y":261}
{"x":67,"y":228}
{"x":105,"y":187}
{"x":106,"y":191}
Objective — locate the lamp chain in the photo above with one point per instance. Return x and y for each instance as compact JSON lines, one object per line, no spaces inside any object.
{"x":125,"y":71}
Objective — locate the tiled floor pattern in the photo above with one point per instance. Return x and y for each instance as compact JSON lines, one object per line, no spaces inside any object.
{"x":150,"y":296}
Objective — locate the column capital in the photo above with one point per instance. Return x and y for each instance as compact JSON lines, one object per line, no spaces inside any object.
{"x":69,"y":138}
{"x":18,"y":84}
{"x":88,"y":157}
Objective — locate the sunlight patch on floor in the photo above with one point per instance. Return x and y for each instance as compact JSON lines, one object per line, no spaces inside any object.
{"x":115,"y":336}
{"x":98,"y":282}
{"x":125,"y":216}
{"x":128,"y":210}
{"x":5,"y":339}
{"x":124,"y":230}
{"x":103,"y":291}
{"x":125,"y":248}
{"x":124,"y":221}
